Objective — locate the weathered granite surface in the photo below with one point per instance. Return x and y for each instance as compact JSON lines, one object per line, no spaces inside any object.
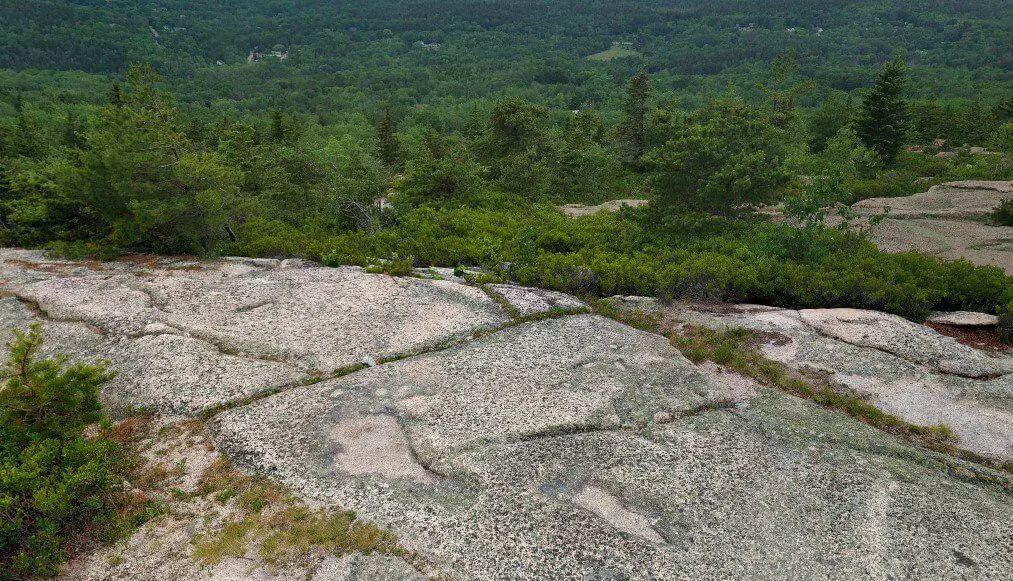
{"x":964,"y":319}
{"x":533,"y":301}
{"x":948,"y":220}
{"x":572,"y":447}
{"x":906,"y":369}
{"x":193,"y":337}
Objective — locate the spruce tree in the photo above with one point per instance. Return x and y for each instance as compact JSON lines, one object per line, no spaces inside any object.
{"x":883,"y":120}
{"x":277,"y":132}
{"x":389,"y":149}
{"x":116,"y":95}
{"x":633,"y":131}
{"x":70,"y":131}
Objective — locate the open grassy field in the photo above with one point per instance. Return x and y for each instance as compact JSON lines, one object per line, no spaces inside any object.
{"x":615,"y":52}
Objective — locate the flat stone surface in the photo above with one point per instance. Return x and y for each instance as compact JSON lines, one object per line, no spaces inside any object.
{"x":158,"y":370}
{"x":964,"y":199}
{"x":580,"y":448}
{"x":972,"y":240}
{"x":529,"y":301}
{"x":910,"y":341}
{"x":324,"y":318}
{"x":573,"y":373}
{"x":903,"y":368}
{"x":947,"y":221}
{"x":186,"y":337}
{"x":579,"y":210}
{"x":357,"y":567}
{"x":964,"y":319}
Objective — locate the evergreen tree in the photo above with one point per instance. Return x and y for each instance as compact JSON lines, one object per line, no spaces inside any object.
{"x":883,"y":119}
{"x":633,"y":131}
{"x":389,"y":149}
{"x":116,"y":95}
{"x":25,"y":140}
{"x":782,"y":92}
{"x":70,"y":131}
{"x":277,"y":133}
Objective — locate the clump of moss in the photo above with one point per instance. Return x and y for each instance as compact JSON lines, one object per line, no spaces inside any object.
{"x":650,"y":322}
{"x":396,"y":265}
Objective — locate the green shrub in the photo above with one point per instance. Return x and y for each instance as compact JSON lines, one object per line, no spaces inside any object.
{"x":1003,"y":215}
{"x":684,"y":255}
{"x":53,"y":481}
{"x":1005,"y":328}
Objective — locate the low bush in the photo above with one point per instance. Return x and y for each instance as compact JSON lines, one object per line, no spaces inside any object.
{"x":55,"y":484}
{"x":1003,"y":215}
{"x":689,"y":255}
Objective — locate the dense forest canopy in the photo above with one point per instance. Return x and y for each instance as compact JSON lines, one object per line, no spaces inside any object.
{"x":273,"y":127}
{"x":345,"y":55}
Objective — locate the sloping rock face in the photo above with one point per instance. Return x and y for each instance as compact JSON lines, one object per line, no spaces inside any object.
{"x":964,"y":199}
{"x":948,"y":221}
{"x":580,"y":448}
{"x":188,"y":338}
{"x":558,"y":446}
{"x":964,"y":319}
{"x":906,"y":369}
{"x":580,"y":210}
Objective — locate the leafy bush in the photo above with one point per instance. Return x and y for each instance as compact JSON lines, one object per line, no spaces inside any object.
{"x":53,"y":481}
{"x":687,"y":255}
{"x":1005,"y":328}
{"x":1003,"y":215}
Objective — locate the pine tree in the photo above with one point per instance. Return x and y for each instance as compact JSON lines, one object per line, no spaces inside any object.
{"x":883,"y":120}
{"x":70,"y":131}
{"x":633,"y":131}
{"x":782,"y":92}
{"x":389,"y":149}
{"x":278,"y":132}
{"x":116,"y":95}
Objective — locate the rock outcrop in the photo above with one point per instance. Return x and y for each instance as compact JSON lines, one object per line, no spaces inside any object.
{"x":948,"y":220}
{"x":906,"y":369}
{"x":505,"y":433}
{"x":579,"y":210}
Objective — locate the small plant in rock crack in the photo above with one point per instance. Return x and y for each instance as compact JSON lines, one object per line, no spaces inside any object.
{"x":736,"y":349}
{"x":396,"y":265}
{"x":1004,"y":331}
{"x":279,"y":527}
{"x":56,"y":484}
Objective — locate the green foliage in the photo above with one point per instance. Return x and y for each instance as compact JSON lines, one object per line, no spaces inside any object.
{"x":388,"y":146}
{"x":883,"y":119}
{"x":143,"y":182}
{"x":783,"y":91}
{"x":1005,"y":328}
{"x":720,"y":159}
{"x":692,"y":256}
{"x":828,"y":119}
{"x":444,"y":169}
{"x":633,"y":130}
{"x":53,"y":481}
{"x":1003,"y":215}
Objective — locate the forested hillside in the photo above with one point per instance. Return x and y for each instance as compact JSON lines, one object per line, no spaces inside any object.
{"x":344,"y":55}
{"x":275,"y":128}
{"x":397,"y":134}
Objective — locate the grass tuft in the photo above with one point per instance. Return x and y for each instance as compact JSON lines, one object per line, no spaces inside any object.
{"x":278,"y":526}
